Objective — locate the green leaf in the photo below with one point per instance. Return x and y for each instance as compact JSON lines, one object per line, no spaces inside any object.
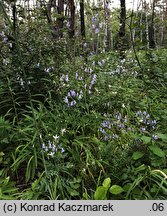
{"x":106,"y":183}
{"x":116,"y":189}
{"x":137,"y":155}
{"x":146,"y":139}
{"x":157,"y":162}
{"x":162,"y":136}
{"x":157,"y":151}
{"x":141,"y":168}
{"x":74,"y":185}
{"x":5,"y":140}
{"x":127,"y":187}
{"x":1,"y":154}
{"x":72,"y":192}
{"x":100,"y":193}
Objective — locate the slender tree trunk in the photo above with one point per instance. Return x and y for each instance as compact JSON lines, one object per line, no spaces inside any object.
{"x":82,"y":17}
{"x":141,"y":23}
{"x":122,"y":19}
{"x":151,"y":28}
{"x":72,"y":19}
{"x":146,"y":24}
{"x":83,"y":33}
{"x":122,"y":32}
{"x":107,"y":29}
{"x":14,"y":13}
{"x":162,"y":30}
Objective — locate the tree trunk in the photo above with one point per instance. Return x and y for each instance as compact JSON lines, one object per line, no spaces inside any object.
{"x":141,"y":23}
{"x":122,"y":32}
{"x":162,"y":28}
{"x":122,"y":19}
{"x":14,"y":16}
{"x":72,"y":19}
{"x":82,"y":17}
{"x":107,"y":30}
{"x":146,"y":23}
{"x":60,"y":19}
{"x":151,"y":28}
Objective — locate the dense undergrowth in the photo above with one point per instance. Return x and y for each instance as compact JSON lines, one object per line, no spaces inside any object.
{"x":79,"y":125}
{"x":83,"y":130}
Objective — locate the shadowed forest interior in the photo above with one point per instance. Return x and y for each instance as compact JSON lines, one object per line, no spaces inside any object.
{"x":83,"y":99}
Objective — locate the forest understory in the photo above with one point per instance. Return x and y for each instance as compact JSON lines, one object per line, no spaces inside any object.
{"x":83,"y":101}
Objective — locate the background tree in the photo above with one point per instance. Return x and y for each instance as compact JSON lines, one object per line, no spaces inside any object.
{"x":82,"y":18}
{"x":72,"y":18}
{"x":108,"y":35}
{"x":122,"y":30}
{"x":152,"y":43}
{"x":60,"y":18}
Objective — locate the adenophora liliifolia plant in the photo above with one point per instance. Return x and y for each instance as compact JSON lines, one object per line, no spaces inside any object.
{"x":119,"y":124}
{"x":20,"y":58}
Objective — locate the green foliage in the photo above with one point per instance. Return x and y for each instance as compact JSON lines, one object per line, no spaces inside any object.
{"x":7,"y":189}
{"x":73,"y":127}
{"x":102,"y":192}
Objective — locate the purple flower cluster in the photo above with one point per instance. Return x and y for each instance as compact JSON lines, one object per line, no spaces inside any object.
{"x":93,"y":80}
{"x":72,"y":96}
{"x":95,"y":18}
{"x":95,"y":26}
{"x":89,"y":76}
{"x":64,"y":78}
{"x":145,"y":122}
{"x":122,"y":125}
{"x":49,"y":69}
{"x":3,"y":36}
{"x":88,"y":70}
{"x":113,"y":129}
{"x":52,"y":147}
{"x":101,"y":63}
{"x":80,"y":78}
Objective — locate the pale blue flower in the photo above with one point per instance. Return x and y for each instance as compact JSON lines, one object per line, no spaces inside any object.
{"x":94,"y":19}
{"x":100,"y":25}
{"x":4,"y":40}
{"x":46,"y":149}
{"x":84,"y":44}
{"x":73,"y":93}
{"x":62,"y":150}
{"x":66,"y":99}
{"x":73,"y":103}
{"x":38,"y":65}
{"x":155,"y":137}
{"x":99,"y":63}
{"x":93,"y":63}
{"x":2,"y":34}
{"x":90,"y":70}
{"x":43,"y":146}
{"x":96,"y":31}
{"x":106,"y":137}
